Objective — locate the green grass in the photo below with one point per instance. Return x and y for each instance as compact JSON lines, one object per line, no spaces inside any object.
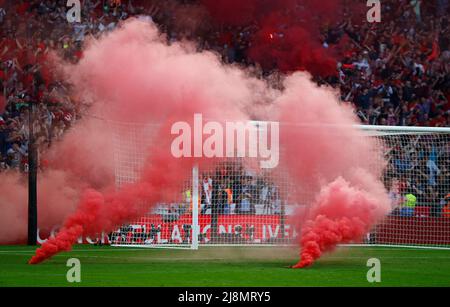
{"x":213,"y":266}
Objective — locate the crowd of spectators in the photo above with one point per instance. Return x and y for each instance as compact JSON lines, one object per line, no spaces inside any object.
{"x":397,"y":72}
{"x":29,"y":32}
{"x":232,"y":189}
{"x":394,"y":73}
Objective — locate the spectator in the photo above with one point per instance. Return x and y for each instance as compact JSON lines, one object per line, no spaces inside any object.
{"x":408,"y":206}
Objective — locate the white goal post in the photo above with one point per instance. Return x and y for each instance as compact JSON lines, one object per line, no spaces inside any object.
{"x":255,"y":207}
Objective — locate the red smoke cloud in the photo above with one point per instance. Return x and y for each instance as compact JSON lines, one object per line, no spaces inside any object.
{"x":331,"y":159}
{"x":288,"y":34}
{"x":161,"y":84}
{"x":98,"y":212}
{"x":82,"y":159}
{"x":58,"y":195}
{"x":105,"y":211}
{"x":341,"y":214}
{"x":132,"y":75}
{"x":292,"y":49}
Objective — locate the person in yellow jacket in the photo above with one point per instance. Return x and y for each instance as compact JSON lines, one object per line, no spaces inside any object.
{"x":408,"y":206}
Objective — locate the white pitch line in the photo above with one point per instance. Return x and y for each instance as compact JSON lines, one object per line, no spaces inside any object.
{"x":77,"y":250}
{"x":149,"y":258}
{"x":237,"y":247}
{"x":163,"y":259}
{"x":253,"y":259}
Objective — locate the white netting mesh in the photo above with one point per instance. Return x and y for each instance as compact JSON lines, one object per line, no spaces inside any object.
{"x":241,"y":204}
{"x":166,"y":224}
{"x":418,"y":180}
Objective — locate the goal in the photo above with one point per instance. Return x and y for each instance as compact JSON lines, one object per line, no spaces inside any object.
{"x":256,"y":205}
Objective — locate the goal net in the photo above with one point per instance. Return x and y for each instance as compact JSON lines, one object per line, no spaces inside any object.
{"x":240,"y":204}
{"x":417,"y":178}
{"x":170,"y":224}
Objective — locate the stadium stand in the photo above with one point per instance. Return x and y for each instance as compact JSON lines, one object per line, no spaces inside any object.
{"x":394,"y":73}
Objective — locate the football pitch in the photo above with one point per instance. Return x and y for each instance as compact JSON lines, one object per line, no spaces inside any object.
{"x":218,"y":266}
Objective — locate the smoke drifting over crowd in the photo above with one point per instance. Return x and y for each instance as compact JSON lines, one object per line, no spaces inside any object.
{"x":289,"y":31}
{"x":131,"y":74}
{"x":332,"y":165}
{"x":143,"y":93}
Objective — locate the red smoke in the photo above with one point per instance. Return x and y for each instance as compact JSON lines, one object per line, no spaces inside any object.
{"x":292,"y":49}
{"x":73,"y":228}
{"x":98,"y":212}
{"x":288,"y":32}
{"x":80,"y":160}
{"x":341,"y":214}
{"x":331,"y":159}
{"x":58,"y":195}
{"x":163,"y":84}
{"x":95,"y":213}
